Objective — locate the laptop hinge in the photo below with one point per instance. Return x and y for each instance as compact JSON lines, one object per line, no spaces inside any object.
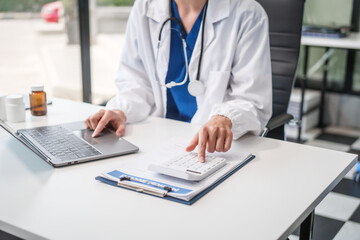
{"x":32,"y":146}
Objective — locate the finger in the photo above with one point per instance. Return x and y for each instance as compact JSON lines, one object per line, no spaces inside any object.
{"x":203,"y":137}
{"x":211,"y":143}
{"x":118,"y":124}
{"x":90,"y":124}
{"x":228,"y":141}
{"x":102,"y":124}
{"x":87,"y":123}
{"x":94,"y":119}
{"x":194,"y":142}
{"x":120,"y":131}
{"x":220,"y":140}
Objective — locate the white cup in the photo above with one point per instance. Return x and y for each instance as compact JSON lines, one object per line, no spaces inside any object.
{"x":2,"y":108}
{"x":15,"y":108}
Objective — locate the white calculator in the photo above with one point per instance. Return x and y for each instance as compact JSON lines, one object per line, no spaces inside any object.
{"x":188,"y":167}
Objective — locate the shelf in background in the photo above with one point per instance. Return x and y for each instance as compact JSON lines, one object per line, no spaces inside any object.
{"x":350,"y":42}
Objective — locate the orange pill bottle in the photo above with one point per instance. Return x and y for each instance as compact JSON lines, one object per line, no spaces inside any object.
{"x":38,"y":100}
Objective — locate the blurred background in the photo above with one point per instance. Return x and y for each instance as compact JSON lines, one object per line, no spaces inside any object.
{"x":40,"y":43}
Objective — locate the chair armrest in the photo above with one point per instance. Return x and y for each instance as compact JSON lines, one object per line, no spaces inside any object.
{"x":276,"y":122}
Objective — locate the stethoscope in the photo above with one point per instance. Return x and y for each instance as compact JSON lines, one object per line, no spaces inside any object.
{"x":195,"y":87}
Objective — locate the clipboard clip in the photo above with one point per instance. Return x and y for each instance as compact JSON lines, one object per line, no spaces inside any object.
{"x":132,"y":183}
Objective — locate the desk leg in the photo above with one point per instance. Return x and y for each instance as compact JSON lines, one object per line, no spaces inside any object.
{"x":323,"y":91}
{"x":306,"y":228}
{"x":350,"y":64}
{"x":303,"y":86}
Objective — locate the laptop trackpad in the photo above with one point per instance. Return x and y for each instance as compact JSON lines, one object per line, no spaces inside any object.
{"x":104,"y":137}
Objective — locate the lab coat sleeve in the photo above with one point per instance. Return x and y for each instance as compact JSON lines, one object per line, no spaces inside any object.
{"x":135,"y":97}
{"x":248,"y":100}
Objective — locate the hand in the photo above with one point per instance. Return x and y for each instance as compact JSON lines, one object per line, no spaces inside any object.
{"x":114,"y":118}
{"x":215,"y":135}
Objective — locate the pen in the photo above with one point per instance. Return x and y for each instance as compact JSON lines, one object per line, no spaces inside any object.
{"x":128,"y":178}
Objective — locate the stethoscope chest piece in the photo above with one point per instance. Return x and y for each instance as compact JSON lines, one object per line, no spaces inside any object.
{"x":196,"y":88}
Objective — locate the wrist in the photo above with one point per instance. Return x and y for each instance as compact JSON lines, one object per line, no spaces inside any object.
{"x":224,"y":119}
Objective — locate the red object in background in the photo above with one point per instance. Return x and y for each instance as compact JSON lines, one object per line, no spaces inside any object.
{"x":51,"y":12}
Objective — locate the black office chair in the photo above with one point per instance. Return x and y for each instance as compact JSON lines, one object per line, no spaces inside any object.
{"x":285,"y":23}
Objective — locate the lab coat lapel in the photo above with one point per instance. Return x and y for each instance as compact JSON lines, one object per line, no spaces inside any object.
{"x":158,"y":11}
{"x":217,"y":11}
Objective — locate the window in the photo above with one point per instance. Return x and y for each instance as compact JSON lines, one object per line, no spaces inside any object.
{"x":39,"y":44}
{"x":108,"y":20}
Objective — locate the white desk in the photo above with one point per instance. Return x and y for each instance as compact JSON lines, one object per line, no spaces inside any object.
{"x":267,"y":199}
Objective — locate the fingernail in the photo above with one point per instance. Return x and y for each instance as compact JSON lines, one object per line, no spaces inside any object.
{"x":202,"y":159}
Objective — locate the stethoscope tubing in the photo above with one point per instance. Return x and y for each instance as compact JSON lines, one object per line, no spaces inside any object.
{"x":183,"y":38}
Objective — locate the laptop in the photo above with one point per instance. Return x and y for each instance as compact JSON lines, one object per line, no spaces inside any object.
{"x":71,"y":143}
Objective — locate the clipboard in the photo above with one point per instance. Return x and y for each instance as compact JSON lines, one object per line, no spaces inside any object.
{"x":190,"y":202}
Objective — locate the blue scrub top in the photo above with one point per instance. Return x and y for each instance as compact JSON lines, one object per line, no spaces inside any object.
{"x":180,"y":104}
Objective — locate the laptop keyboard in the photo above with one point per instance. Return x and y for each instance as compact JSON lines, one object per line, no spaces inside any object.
{"x":61,"y":143}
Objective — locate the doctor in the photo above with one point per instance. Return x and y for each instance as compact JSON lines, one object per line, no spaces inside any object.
{"x":204,"y":62}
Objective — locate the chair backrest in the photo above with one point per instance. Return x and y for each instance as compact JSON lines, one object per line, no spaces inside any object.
{"x":285,"y":23}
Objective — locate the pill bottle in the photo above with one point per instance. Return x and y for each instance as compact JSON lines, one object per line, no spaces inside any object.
{"x":15,"y":108}
{"x":38,"y":100}
{"x":2,"y":107}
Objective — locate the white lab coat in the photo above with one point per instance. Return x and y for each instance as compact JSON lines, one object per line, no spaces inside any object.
{"x":235,"y":68}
